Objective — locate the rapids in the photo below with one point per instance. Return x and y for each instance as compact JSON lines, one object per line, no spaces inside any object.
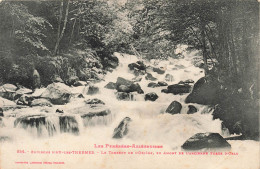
{"x":150,"y":125}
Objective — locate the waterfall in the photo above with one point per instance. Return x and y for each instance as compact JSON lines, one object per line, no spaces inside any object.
{"x":147,"y":117}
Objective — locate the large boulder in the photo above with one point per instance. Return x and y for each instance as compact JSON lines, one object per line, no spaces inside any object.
{"x":122,"y":129}
{"x":174,"y":108}
{"x":179,"y":88}
{"x":8,"y":87}
{"x":7,"y":91}
{"x":111,"y":85}
{"x":151,"y":96}
{"x":124,"y":85}
{"x":168,"y":77}
{"x":23,"y":90}
{"x":132,"y":88}
{"x":205,"y":141}
{"x":205,"y":91}
{"x":192,"y":109}
{"x":57,"y":93}
{"x":159,"y":70}
{"x":149,"y":76}
{"x":41,"y":102}
{"x":123,"y":81}
{"x":92,"y":90}
{"x":5,"y":103}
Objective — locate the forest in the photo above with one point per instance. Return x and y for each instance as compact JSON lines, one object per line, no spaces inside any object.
{"x":65,"y":40}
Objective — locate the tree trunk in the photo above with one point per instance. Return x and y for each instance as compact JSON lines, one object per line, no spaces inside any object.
{"x":60,"y":35}
{"x":204,"y":50}
{"x":59,"y":26}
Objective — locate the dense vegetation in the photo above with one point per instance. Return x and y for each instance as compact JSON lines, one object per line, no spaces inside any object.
{"x":65,"y":39}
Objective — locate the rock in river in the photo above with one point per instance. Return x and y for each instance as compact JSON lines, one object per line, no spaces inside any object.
{"x":149,"y":76}
{"x":179,"y":88}
{"x":151,"y":96}
{"x":205,"y":91}
{"x":111,"y":85}
{"x":57,"y":93}
{"x":192,"y":109}
{"x":174,"y":108}
{"x":205,"y":140}
{"x":122,"y":128}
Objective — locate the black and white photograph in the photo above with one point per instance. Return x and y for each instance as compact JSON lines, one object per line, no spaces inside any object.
{"x":129,"y":84}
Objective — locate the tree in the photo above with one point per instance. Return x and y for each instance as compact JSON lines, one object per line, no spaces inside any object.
{"x":60,"y":32}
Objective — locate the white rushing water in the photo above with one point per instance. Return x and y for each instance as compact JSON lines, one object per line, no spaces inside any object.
{"x":150,"y":125}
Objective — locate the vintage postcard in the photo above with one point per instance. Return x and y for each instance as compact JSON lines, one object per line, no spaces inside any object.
{"x":129,"y":84}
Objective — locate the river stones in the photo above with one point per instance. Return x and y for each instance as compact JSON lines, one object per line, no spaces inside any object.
{"x":179,"y":88}
{"x":136,"y":87}
{"x":149,"y":76}
{"x":174,"y":108}
{"x":57,"y":93}
{"x":127,"y":86}
{"x":41,"y":102}
{"x":139,"y":65}
{"x":111,"y":85}
{"x":122,"y":129}
{"x":94,"y":101}
{"x":161,"y":83}
{"x":122,"y":81}
{"x":124,"y":88}
{"x":192,"y":109}
{"x":152,"y":85}
{"x":205,"y":140}
{"x":124,"y":96}
{"x":151,"y":96}
{"x":164,"y":90}
{"x":25,"y":100}
{"x":159,"y":70}
{"x":7,"y":91}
